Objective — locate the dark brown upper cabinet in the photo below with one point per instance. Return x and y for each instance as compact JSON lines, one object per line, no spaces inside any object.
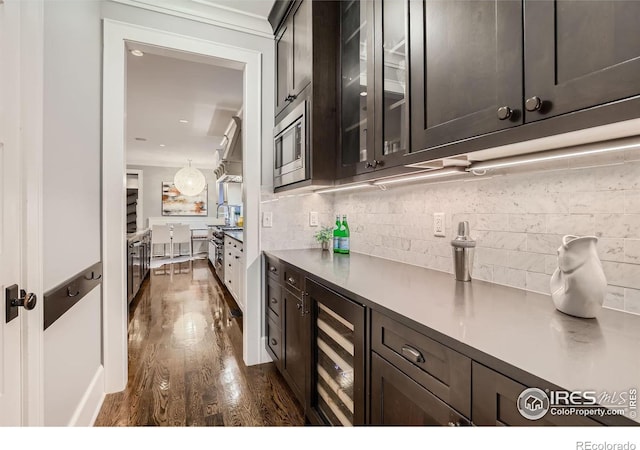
{"x":579,"y":54}
{"x":374,"y":126}
{"x":466,"y":69}
{"x":293,"y":54}
{"x":485,"y":73}
{"x":306,"y":43}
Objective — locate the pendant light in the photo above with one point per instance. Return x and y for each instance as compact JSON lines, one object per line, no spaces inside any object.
{"x":189,"y":180}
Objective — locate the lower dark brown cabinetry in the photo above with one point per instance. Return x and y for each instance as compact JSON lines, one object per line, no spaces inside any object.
{"x":295,"y":336}
{"x":444,"y":372}
{"x":398,"y":400}
{"x":274,"y":342}
{"x":495,"y":400}
{"x":320,"y":336}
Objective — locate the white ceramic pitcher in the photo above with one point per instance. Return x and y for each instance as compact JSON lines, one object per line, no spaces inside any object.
{"x":578,"y":285}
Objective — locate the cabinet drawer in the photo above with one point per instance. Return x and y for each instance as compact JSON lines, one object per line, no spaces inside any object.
{"x":274,"y":300}
{"x":273,"y":268}
{"x":293,"y":279}
{"x":274,"y":345}
{"x":398,"y":400}
{"x":495,"y":399}
{"x":443,"y":371}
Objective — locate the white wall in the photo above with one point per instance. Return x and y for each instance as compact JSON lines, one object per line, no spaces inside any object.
{"x":72,"y":111}
{"x":152,"y":178}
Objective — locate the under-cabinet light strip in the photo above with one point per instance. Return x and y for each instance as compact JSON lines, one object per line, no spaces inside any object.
{"x":551,"y":155}
{"x":343,"y":188}
{"x":420,"y":176}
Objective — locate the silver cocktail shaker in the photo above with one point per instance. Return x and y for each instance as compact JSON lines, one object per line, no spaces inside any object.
{"x":463,"y":251}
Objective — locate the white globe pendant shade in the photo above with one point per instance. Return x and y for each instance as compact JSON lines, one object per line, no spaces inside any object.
{"x":189,"y":181}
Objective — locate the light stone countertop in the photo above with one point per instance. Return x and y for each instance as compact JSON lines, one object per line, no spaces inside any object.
{"x":136,"y":236}
{"x":509,"y":329}
{"x":237,"y":235}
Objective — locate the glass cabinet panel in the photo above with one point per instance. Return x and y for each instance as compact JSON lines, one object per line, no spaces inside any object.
{"x":354,"y":58}
{"x":394,"y":67}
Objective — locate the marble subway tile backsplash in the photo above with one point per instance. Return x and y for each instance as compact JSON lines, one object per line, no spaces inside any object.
{"x":518,"y":219}
{"x":518,"y":216}
{"x":291,"y":228}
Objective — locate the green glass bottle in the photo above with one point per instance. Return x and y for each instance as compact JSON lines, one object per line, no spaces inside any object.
{"x":336,"y":235}
{"x":345,"y":243}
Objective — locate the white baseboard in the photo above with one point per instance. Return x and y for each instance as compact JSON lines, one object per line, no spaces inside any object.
{"x":89,"y":407}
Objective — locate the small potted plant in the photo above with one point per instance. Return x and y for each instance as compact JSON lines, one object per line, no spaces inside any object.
{"x":324,"y":236}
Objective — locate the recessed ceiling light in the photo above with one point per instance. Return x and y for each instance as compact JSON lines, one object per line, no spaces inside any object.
{"x":363,"y":94}
{"x":183,"y":121}
{"x":136,"y":52}
{"x":162,"y":145}
{"x":141,"y":139}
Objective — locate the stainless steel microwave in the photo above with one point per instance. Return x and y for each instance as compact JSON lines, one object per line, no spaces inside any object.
{"x":290,"y":155}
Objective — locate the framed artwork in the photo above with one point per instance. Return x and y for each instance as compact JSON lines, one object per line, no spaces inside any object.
{"x":176,"y":204}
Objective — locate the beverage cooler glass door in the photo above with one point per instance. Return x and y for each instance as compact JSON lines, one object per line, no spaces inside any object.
{"x":338,"y":366}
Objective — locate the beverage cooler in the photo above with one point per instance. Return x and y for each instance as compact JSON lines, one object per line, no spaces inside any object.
{"x":337,"y":375}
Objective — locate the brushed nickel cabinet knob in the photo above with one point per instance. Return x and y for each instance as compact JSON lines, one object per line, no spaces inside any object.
{"x":533,"y":103}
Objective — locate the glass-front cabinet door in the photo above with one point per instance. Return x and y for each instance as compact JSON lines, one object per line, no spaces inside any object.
{"x":392,"y":122}
{"x":373,"y":92}
{"x":356,"y":88}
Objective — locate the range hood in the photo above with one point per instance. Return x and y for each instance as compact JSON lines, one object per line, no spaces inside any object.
{"x":229,"y":169}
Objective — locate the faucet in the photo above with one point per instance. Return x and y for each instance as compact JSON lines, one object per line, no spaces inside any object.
{"x":226,"y":217}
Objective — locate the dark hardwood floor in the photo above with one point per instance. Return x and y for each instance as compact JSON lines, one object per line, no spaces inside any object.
{"x":185,"y":360}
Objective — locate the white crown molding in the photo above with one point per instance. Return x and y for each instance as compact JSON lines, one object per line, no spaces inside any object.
{"x":203,"y":11}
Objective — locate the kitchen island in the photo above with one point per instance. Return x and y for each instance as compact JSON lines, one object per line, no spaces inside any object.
{"x":138,"y":254}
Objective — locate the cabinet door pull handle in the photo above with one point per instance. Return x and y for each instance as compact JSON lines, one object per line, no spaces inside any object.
{"x":272,"y":269}
{"x":453,"y":424}
{"x":274,"y":342}
{"x":412,"y":354}
{"x":274,"y":301}
{"x":237,"y":257}
{"x":291,"y":280}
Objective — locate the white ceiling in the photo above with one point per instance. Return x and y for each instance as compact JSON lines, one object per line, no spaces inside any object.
{"x":165,"y":86}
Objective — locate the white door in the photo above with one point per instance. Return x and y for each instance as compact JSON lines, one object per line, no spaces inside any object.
{"x":11,"y":212}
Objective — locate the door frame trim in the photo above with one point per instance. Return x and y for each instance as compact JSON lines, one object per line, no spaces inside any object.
{"x":30,"y":119}
{"x":115,"y":311}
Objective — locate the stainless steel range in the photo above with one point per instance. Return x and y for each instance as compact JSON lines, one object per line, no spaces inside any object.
{"x":217,"y":238}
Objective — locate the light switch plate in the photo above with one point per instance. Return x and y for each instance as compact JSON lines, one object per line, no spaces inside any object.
{"x":267,"y":219}
{"x":313,"y":219}
{"x":438,"y":224}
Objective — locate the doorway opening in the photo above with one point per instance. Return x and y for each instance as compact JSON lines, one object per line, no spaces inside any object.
{"x":183,"y":113}
{"x":119,"y":39}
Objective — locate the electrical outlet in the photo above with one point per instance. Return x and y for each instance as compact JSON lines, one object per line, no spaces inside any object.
{"x":267,"y":219}
{"x":313,"y":219}
{"x":438,"y":224}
